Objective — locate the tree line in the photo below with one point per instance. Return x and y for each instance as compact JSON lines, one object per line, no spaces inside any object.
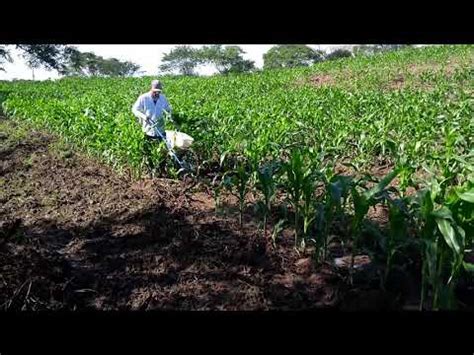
{"x":184,"y":60}
{"x":67,"y":60}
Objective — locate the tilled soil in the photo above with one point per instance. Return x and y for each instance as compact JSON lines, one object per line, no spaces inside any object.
{"x":74,"y":235}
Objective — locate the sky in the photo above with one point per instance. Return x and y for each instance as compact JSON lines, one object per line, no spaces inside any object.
{"x":147,"y":56}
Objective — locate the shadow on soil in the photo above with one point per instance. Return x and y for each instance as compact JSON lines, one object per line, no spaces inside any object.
{"x":153,"y":259}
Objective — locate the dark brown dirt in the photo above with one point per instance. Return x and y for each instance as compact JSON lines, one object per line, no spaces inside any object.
{"x":320,"y":80}
{"x":316,"y":80}
{"x":74,"y":235}
{"x":396,"y":83}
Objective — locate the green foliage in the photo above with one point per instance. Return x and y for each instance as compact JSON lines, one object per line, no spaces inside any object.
{"x":298,"y":182}
{"x":184,"y":59}
{"x":446,"y":222}
{"x":226,"y":59}
{"x":76,"y":63}
{"x":290,"y":56}
{"x":338,"y":53}
{"x":266,"y":175}
{"x":48,"y":56}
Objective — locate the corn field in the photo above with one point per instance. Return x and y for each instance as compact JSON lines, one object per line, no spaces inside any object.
{"x":309,"y":139}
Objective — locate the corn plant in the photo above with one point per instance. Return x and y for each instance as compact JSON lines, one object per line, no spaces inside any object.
{"x":267,"y":185}
{"x":397,"y":237}
{"x":276,"y":230}
{"x":362,"y":201}
{"x":334,"y":200}
{"x":444,"y":219}
{"x":300,"y":187}
{"x":308,"y":209}
{"x":239,"y":179}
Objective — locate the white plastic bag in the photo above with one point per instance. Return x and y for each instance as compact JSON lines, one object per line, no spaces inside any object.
{"x":179,"y":139}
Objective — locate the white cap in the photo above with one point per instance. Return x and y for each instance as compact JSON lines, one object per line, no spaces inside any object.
{"x":156,"y":86}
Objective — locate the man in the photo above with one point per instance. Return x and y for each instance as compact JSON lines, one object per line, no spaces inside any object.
{"x":149,"y":110}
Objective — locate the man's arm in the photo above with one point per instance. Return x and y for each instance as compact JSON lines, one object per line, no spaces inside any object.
{"x":137,"y":111}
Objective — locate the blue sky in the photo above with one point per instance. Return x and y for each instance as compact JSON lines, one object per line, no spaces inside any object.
{"x":147,"y":56}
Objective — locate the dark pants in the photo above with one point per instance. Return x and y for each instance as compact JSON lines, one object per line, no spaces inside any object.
{"x":147,"y":148}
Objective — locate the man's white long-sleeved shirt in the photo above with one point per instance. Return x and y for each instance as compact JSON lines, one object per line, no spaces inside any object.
{"x":150,"y":114}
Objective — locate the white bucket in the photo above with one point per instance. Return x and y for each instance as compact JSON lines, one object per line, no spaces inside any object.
{"x":178,"y":139}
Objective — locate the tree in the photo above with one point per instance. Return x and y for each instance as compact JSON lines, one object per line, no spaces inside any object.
{"x":128,"y":68}
{"x":74,"y":62}
{"x":226,"y":59}
{"x":4,"y":57}
{"x":339,"y":53}
{"x":89,"y":64}
{"x":115,"y":67}
{"x":81,"y":64}
{"x":289,"y":56}
{"x":48,"y":56}
{"x":181,"y":58}
{"x":69,"y":61}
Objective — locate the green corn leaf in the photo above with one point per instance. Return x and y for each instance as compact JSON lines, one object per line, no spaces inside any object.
{"x":417,"y":146}
{"x":449,"y":234}
{"x":397,"y":222}
{"x":361,"y":205}
{"x":426,"y":203}
{"x":435,"y":189}
{"x":381,"y":185}
{"x":443,"y":213}
{"x":467,"y":196}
